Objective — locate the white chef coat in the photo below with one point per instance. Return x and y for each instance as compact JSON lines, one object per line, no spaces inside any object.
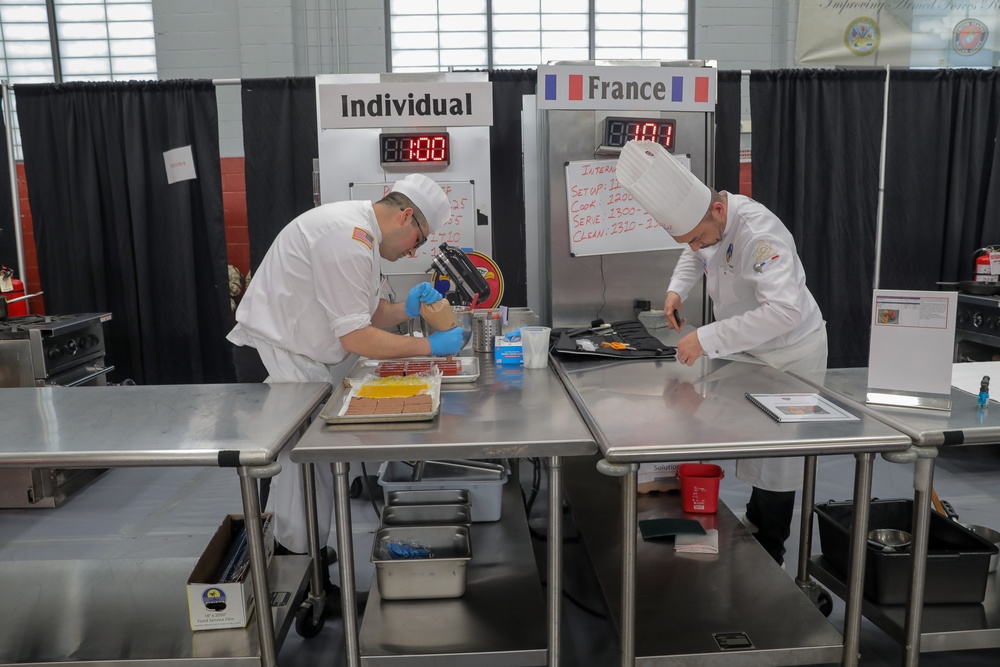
{"x":319,"y":280}
{"x":762,"y":307}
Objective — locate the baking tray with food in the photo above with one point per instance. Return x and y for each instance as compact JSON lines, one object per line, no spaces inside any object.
{"x":374,"y":399}
{"x":453,"y":371}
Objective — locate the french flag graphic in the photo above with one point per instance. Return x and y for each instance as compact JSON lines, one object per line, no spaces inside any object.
{"x":573,"y":87}
{"x":689,"y":89}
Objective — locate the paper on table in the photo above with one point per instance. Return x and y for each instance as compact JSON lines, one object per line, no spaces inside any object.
{"x":967,"y":376}
{"x":698,"y":544}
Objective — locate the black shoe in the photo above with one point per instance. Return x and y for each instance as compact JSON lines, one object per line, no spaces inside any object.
{"x":334,"y":608}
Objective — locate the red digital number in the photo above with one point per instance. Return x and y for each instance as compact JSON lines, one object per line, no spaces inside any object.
{"x":428,"y":149}
{"x":646,"y":132}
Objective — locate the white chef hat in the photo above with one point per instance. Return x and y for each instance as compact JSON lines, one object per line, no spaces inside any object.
{"x":427,"y":196}
{"x":663,"y":186}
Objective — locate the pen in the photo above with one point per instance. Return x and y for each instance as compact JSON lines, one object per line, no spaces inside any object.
{"x":759,"y":265}
{"x":677,"y":318}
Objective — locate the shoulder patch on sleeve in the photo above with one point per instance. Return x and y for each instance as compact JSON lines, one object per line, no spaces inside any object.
{"x":364,"y":237}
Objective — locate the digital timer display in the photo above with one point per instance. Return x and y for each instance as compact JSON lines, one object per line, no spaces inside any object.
{"x":413,"y":149}
{"x":619,"y":130}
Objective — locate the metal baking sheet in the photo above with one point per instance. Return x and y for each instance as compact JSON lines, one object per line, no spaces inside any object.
{"x":331,"y":411}
{"x":468,"y":373}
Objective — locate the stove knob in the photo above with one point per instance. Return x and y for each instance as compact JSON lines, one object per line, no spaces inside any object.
{"x":71,"y":347}
{"x":91,"y":341}
{"x":993,"y":322}
{"x":977,"y":320}
{"x":54,"y":353}
{"x":963,"y":317}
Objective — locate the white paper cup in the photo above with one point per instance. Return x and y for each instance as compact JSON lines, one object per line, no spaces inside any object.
{"x":535,"y":346}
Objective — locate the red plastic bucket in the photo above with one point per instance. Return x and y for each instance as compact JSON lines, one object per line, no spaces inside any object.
{"x":700,"y":487}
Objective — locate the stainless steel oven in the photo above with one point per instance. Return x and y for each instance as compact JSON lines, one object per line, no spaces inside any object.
{"x":50,"y":350}
{"x":977,"y":328}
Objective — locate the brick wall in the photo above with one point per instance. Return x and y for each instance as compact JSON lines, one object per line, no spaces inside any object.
{"x":234,"y":201}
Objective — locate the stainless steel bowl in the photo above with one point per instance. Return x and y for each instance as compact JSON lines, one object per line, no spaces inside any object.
{"x":889,"y":538}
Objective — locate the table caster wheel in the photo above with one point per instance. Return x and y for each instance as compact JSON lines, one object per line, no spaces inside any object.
{"x":818,"y":596}
{"x":824,"y":602}
{"x":305,"y":624}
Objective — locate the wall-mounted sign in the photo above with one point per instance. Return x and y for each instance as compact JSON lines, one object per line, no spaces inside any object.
{"x":412,"y":104}
{"x":633,"y":88}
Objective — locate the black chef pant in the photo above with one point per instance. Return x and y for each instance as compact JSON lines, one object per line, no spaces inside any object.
{"x":771,"y":512}
{"x":249,"y":367}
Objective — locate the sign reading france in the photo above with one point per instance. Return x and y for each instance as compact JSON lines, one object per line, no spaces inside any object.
{"x":633,"y":88}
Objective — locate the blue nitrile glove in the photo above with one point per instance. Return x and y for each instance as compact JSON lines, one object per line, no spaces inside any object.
{"x":513,"y":335}
{"x":444,"y":343}
{"x":421,"y":293}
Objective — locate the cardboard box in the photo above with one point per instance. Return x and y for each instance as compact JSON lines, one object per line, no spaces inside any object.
{"x":213,"y":605}
{"x":506,"y":352}
{"x":659,"y":476}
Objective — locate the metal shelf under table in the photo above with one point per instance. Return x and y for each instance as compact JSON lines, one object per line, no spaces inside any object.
{"x":240,"y":426}
{"x":683,"y":601}
{"x":89,"y":613}
{"x":963,"y":425}
{"x":499,"y":622}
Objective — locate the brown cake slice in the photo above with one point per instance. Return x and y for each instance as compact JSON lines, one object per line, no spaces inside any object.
{"x":389,"y":406}
{"x":417,"y":404}
{"x":361,"y":406}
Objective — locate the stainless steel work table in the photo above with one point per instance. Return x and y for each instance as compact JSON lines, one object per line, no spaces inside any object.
{"x":664,"y":411}
{"x":509,"y":412}
{"x":115,"y":604}
{"x":940,"y":627}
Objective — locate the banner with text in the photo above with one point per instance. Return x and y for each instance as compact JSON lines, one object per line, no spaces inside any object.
{"x":905,"y":33}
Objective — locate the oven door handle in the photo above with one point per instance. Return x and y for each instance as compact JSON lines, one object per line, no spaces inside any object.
{"x":98,"y":372}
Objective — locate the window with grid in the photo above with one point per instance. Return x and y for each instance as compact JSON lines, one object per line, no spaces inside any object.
{"x":99,"y":40}
{"x":438,"y":35}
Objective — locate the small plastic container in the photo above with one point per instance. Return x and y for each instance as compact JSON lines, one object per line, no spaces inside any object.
{"x":700,"y":487}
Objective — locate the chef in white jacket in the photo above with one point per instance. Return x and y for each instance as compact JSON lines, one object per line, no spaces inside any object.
{"x":315,"y":304}
{"x":760,"y":301}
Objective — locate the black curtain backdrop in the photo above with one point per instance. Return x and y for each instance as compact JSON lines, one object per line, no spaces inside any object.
{"x":112,"y":235}
{"x":942,"y":175}
{"x":8,"y":240}
{"x":280,"y":142}
{"x":727,"y":131}
{"x":507,"y":181}
{"x":816,"y":144}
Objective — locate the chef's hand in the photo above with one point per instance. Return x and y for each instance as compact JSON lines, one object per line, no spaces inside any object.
{"x":421,"y":293}
{"x":445,"y":343}
{"x":689,"y":349}
{"x":671,"y":305}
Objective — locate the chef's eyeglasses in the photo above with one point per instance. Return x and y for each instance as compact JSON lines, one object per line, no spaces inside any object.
{"x":423,"y":237}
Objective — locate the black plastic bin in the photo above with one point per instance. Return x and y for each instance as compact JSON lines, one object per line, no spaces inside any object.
{"x":957,"y":559}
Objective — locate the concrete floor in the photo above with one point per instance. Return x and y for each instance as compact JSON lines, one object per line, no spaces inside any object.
{"x":132,"y":513}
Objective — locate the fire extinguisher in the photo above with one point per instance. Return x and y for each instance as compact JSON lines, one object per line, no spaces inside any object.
{"x":984,"y":272}
{"x":11,"y":288}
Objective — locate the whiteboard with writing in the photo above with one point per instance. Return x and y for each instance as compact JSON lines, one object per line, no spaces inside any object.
{"x":603,"y":218}
{"x":459,"y":231}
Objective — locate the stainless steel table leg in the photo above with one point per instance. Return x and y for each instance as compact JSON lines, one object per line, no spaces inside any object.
{"x":923,"y":483}
{"x":856,"y":572}
{"x":258,"y":566}
{"x":806,"y":524}
{"x":555,"y":559}
{"x":317,"y":595}
{"x":629,"y":472}
{"x":345,"y":547}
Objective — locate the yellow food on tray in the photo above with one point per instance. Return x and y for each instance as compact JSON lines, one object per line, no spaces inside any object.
{"x":394,"y":387}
